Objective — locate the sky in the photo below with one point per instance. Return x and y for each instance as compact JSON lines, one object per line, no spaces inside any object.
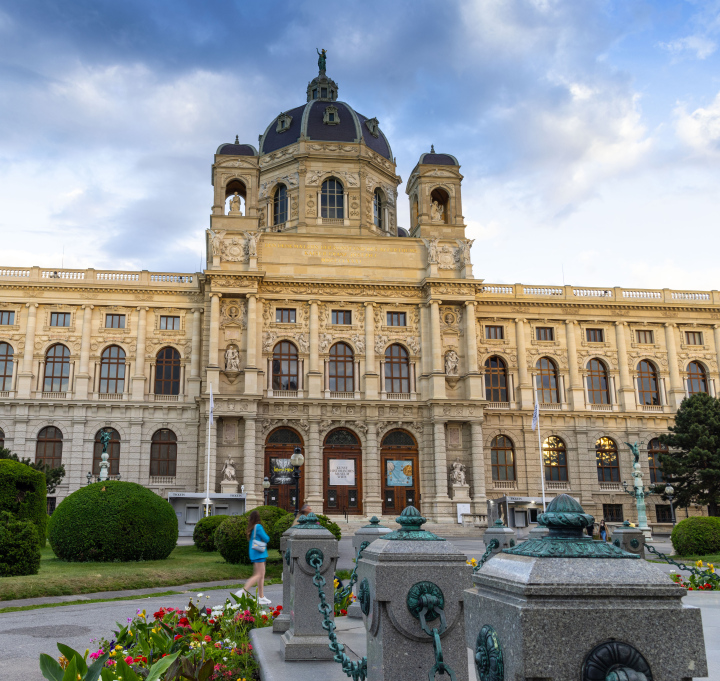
{"x":588,"y":131}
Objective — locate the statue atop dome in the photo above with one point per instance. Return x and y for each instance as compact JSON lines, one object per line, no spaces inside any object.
{"x":322,"y":56}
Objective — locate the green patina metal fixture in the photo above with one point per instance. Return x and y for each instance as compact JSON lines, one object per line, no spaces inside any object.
{"x":411,"y":523}
{"x":488,"y":655}
{"x":374,"y":522}
{"x":308,"y":522}
{"x":566,"y":520}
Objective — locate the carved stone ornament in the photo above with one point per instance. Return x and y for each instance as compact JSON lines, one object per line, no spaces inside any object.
{"x":373,"y":125}
{"x":380,"y":343}
{"x":451,"y":363}
{"x":283,"y":123}
{"x":232,"y":358}
{"x":233,"y":313}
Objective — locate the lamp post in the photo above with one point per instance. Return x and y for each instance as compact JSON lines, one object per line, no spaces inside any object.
{"x":669,"y":494}
{"x":266,"y":487}
{"x":296,"y":461}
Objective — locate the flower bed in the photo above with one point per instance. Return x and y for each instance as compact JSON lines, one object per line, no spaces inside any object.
{"x":194,"y":643}
{"x":705,"y":582}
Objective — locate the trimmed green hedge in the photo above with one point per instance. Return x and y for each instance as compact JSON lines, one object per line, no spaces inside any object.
{"x":204,"y":532}
{"x":23,"y":493}
{"x":19,"y":551}
{"x":113,"y":521}
{"x":696,"y":536}
{"x":231,"y":536}
{"x":285,"y":523}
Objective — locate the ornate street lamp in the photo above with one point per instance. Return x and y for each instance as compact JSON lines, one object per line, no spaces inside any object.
{"x":296,"y":461}
{"x":266,"y":487}
{"x":669,"y":494}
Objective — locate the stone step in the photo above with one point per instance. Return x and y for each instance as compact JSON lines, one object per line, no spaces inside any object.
{"x":349,"y":528}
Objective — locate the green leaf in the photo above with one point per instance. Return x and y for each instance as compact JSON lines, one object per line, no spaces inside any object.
{"x":50,"y":668}
{"x":94,"y":670}
{"x":206,"y":670}
{"x":107,"y":674}
{"x":71,"y":672}
{"x":70,"y":654}
{"x":125,"y":670}
{"x":160,"y":667}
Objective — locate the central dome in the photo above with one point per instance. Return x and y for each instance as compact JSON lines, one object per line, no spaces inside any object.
{"x":324,"y":119}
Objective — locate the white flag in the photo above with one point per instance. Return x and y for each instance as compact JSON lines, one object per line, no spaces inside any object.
{"x":212,"y":406}
{"x":536,"y":415}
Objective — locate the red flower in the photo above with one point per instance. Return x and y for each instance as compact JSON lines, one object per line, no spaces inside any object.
{"x":184,"y":622}
{"x":159,"y":614}
{"x":178,"y":636}
{"x":343,"y":612}
{"x":264,"y":617}
{"x":211,"y":621}
{"x":279,"y":608}
{"x":164,"y":655}
{"x":208,"y":639}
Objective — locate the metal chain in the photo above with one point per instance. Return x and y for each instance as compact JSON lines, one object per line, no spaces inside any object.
{"x":358,"y":669}
{"x":704,"y":574}
{"x":430,"y":604}
{"x":494,"y":544}
{"x":343,"y":593}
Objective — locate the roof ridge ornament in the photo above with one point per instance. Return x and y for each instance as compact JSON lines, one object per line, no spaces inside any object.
{"x":322,"y":59}
{"x":432,"y":148}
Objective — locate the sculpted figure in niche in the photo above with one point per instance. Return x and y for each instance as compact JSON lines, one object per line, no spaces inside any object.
{"x":228,"y":470}
{"x":216,"y":242}
{"x":232,"y":359}
{"x":252,"y":243}
{"x":451,"y":363}
{"x":465,"y":245}
{"x":432,"y":249}
{"x":235,"y":204}
{"x":457,"y":472}
{"x":436,"y":212}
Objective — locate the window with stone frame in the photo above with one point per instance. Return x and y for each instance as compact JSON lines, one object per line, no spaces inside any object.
{"x":7,"y":318}
{"x":613,"y":513}
{"x":57,"y":369}
{"x":502,"y":458}
{"x":396,"y":319}
{"x":663,"y":513}
{"x":544,"y":333}
{"x":645,"y":337}
{"x":59,"y":319}
{"x":285,"y":315}
{"x":494,"y":332}
{"x":693,"y":338}
{"x":7,"y":356}
{"x":654,"y":449}
{"x":49,"y":446}
{"x":696,"y":379}
{"x":343,"y":317}
{"x":378,"y":209}
{"x":169,"y":323}
{"x":555,"y":459}
{"x":332,"y":197}
{"x":648,"y":383}
{"x":341,"y":368}
{"x":595,"y":335}
{"x":397,"y":369}
{"x":280,"y":205}
{"x":496,"y":380}
{"x":114,"y":321}
{"x":547,"y":381}
{"x":163,"y":454}
{"x":112,"y":370}
{"x":285,"y":366}
{"x":598,"y":382}
{"x":167,"y":372}
{"x":608,"y":462}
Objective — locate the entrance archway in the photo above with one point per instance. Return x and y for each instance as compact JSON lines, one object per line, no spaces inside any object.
{"x":342,"y":473}
{"x":279,"y":447}
{"x":399,"y":456}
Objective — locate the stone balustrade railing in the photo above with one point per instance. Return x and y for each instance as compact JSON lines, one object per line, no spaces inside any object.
{"x":93,"y":276}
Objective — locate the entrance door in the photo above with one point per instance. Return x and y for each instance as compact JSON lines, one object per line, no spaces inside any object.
{"x":342,"y":473}
{"x":279,"y":447}
{"x":399,"y":456}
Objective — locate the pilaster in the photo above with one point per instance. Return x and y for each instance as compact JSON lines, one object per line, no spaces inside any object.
{"x":138,"y":381}
{"x":82,"y":378}
{"x":575,"y":392}
{"x":25,"y":377}
{"x":195,"y":379}
{"x":314,"y":378}
{"x":473,"y":379}
{"x":524,"y":393}
{"x":477,"y":454}
{"x":626,"y":394}
{"x":676,"y":392}
{"x":372,"y":378}
{"x":251,"y":369}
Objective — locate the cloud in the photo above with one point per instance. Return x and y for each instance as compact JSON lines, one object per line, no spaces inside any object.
{"x":701,"y":46}
{"x":700,"y":129}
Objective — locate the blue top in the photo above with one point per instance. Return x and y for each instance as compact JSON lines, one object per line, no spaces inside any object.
{"x":259,"y":534}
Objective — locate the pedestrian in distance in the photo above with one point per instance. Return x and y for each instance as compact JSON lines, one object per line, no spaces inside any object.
{"x":258,"y":539}
{"x":603,"y":530}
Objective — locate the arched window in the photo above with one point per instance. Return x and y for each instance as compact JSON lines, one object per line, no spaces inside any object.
{"x":655,"y":448}
{"x":697,"y":378}
{"x":6,"y":366}
{"x":163,"y":453}
{"x":648,"y":391}
{"x":598,"y":385}
{"x":378,"y":209}
{"x":414,"y":212}
{"x":112,"y":370}
{"x":331,"y":198}
{"x":235,"y":197}
{"x":397,"y":370}
{"x":285,"y":366}
{"x":167,"y":372}
{"x":48,"y":449}
{"x":547,"y":381}
{"x":502,"y":458}
{"x":57,"y":369}
{"x":398,"y":438}
{"x":2,"y":438}
{"x":341,"y":368}
{"x":280,"y":205}
{"x":555,"y":459}
{"x":608,"y":464}
{"x":495,"y":380}
{"x":113,"y":452}
{"x":439,"y":202}
{"x":284,"y":436}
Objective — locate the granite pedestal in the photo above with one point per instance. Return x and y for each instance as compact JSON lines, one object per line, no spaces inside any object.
{"x":366,"y":534}
{"x":630,"y":539}
{"x":505,"y":536}
{"x":282,"y":622}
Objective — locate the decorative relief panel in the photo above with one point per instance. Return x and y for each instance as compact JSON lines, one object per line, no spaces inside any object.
{"x":233,"y":313}
{"x":298,"y":424}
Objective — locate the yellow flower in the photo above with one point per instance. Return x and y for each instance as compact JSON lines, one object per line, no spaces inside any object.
{"x":711,"y":567}
{"x":698,"y":564}
{"x":473,"y":562}
{"x":130,"y":632}
{"x":118,"y":647}
{"x":112,"y":653}
{"x":63,"y":661}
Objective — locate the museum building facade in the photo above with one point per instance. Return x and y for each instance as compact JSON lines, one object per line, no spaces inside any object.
{"x":322,"y":324}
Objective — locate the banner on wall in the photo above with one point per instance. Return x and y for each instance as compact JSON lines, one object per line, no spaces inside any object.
{"x":342,"y":472}
{"x":399,"y":473}
{"x":281,"y":471}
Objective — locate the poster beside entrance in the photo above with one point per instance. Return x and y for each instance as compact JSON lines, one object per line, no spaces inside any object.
{"x":399,"y":473}
{"x":281,"y":471}
{"x":342,"y":472}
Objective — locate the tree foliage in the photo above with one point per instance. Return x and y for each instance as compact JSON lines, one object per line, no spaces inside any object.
{"x":53,"y":476}
{"x":692,"y":463}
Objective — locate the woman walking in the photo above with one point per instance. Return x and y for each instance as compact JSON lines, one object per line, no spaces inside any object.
{"x":258,"y":539}
{"x":603,"y":530}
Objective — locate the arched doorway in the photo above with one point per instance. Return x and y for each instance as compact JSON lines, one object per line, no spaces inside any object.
{"x":399,"y":455}
{"x":342,"y":472}
{"x":279,"y":447}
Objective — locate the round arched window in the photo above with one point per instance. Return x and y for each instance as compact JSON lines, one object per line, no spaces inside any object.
{"x":163,"y":453}
{"x":502,"y":458}
{"x":555,"y":459}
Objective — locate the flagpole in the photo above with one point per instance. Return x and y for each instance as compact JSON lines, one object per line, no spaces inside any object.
{"x":542,"y":461}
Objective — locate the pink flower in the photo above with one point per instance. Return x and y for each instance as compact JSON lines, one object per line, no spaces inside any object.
{"x":129,"y":659}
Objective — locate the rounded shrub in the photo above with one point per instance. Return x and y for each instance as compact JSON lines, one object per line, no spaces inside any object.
{"x":204,"y":532}
{"x":696,"y":536}
{"x":330,"y":525}
{"x":23,"y":493}
{"x":231,"y":536}
{"x":19,"y":552}
{"x":286,"y":522}
{"x":113,"y":521}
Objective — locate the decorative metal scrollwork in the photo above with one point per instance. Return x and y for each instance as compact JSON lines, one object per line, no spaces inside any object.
{"x":488,"y":655}
{"x":615,"y":661}
{"x":312,"y":553}
{"x":416,"y":602}
{"x":364,"y":597}
{"x":634,"y":542}
{"x":616,"y":542}
{"x":287,"y":555}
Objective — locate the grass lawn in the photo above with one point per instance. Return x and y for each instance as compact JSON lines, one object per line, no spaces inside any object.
{"x":713,"y":558}
{"x":184,"y":565}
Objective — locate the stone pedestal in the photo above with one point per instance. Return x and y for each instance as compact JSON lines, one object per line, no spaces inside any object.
{"x":229,"y":486}
{"x":397,"y":574}
{"x":460,"y":494}
{"x":630,"y":539}
{"x":538,"y":532}
{"x":567,"y":608}
{"x":504,"y":535}
{"x":282,"y":622}
{"x":367,"y":534}
{"x":306,"y":639}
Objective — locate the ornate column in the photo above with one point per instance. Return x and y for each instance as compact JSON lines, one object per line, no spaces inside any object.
{"x":313,"y":469}
{"x":138,"y":381}
{"x":677,"y":391}
{"x":477,"y":453}
{"x":437,"y":377}
{"x":372,"y":379}
{"x":524,"y":391}
{"x":473,"y":380}
{"x":195,"y":379}
{"x":214,"y":348}
{"x":575,"y":392}
{"x":371,"y":466}
{"x":251,"y":476}
{"x":443,"y":505}
{"x":314,"y":383}
{"x":626,"y":394}
{"x":251,"y":368}
{"x":83,"y":375}
{"x":25,"y":377}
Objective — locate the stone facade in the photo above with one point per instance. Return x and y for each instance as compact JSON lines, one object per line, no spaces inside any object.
{"x":417,"y":292}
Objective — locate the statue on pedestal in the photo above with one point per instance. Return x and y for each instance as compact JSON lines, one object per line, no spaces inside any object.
{"x":232,"y":359}
{"x":457,"y":472}
{"x":235,"y":204}
{"x":228,"y":471}
{"x":322,"y":59}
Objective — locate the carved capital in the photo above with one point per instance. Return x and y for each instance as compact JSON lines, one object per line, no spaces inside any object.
{"x":214,"y":294}
{"x":620,"y":323}
{"x":31,"y":304}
